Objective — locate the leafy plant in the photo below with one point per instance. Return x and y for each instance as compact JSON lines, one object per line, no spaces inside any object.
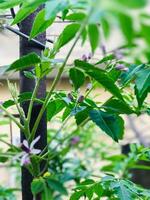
{"x":114,"y":72}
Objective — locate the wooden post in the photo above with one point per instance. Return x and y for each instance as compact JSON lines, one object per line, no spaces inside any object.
{"x":27,"y":85}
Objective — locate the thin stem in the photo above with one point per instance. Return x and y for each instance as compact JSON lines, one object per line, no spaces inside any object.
{"x":57,"y":79}
{"x":12,"y":117}
{"x":32,"y":101}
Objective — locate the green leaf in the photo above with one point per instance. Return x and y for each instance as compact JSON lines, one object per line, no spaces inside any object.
{"x":117,"y":106}
{"x":105,"y":59}
{"x":40,"y":24}
{"x":145,"y":31}
{"x":122,"y":191}
{"x":98,"y":189}
{"x":54,"y":107}
{"x":140,"y":99}
{"x":82,"y":116}
{"x":142,"y":81}
{"x":126,"y":26}
{"x":106,"y":26}
{"x":111,"y":124}
{"x":25,"y":62}
{"x":67,"y":35}
{"x":47,"y":194}
{"x":94,"y":34}
{"x":133,"y":3}
{"x":26,"y":9}
{"x":5,"y":4}
{"x":100,"y":76}
{"x":56,"y":186}
{"x":37,"y":186}
{"x":77,"y":77}
{"x":127,"y":77}
{"x":76,"y":16}
{"x":53,"y":7}
{"x":77,"y":195}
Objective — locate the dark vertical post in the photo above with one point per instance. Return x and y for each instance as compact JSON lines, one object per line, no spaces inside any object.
{"x":27,"y":85}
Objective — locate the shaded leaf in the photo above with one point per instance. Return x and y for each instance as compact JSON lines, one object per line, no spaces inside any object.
{"x":117,"y":106}
{"x":77,"y":77}
{"x":111,"y":124}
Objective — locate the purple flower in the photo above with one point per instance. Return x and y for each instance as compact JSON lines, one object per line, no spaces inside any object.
{"x":75,"y":140}
{"x":28,"y":150}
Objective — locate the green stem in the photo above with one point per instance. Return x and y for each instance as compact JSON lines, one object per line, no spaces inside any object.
{"x":12,"y":118}
{"x":32,"y":101}
{"x":57,"y":79}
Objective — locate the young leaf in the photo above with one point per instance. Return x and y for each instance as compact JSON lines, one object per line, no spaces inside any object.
{"x":77,"y":77}
{"x":76,"y":16}
{"x":37,"y":186}
{"x":94,"y":34}
{"x":25,"y":62}
{"x":26,"y":9}
{"x":40,"y":24}
{"x":100,"y":76}
{"x":111,"y":124}
{"x":67,"y":35}
{"x":105,"y":59}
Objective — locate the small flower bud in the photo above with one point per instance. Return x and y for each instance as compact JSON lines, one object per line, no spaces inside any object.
{"x":47,"y":174}
{"x":103,"y":48}
{"x":84,"y":58}
{"x":75,"y":140}
{"x":70,"y":97}
{"x":89,"y":56}
{"x":81,"y":99}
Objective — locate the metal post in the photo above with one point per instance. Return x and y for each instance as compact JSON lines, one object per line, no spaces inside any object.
{"x":27,"y":85}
